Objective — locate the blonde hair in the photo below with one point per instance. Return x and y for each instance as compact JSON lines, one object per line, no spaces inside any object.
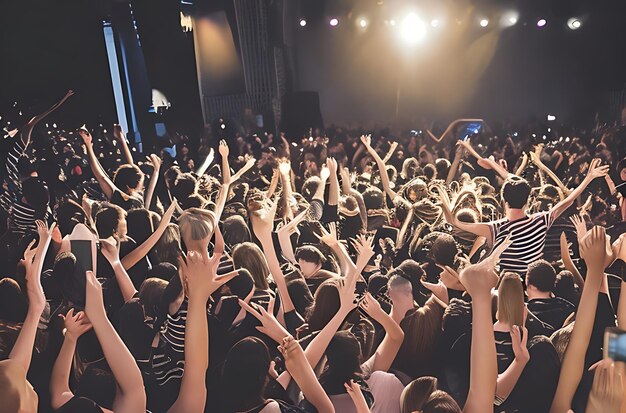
{"x":196,"y":224}
{"x":249,"y":256}
{"x":511,"y":300}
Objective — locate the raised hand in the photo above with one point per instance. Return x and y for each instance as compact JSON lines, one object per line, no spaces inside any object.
{"x":249,"y":164}
{"x":580,"y":225}
{"x":156,"y":162}
{"x":200,"y":275}
{"x":118,"y":133}
{"x":354,"y":391}
{"x":75,"y":324}
{"x":372,"y":307}
{"x":324,"y":173}
{"x":223,"y":149}
{"x":331,"y":164}
{"x":596,"y":170}
{"x":364,"y":248}
{"x":519,"y":337}
{"x":29,"y":254}
{"x":367,"y":141}
{"x":284,"y":167}
{"x":263,"y":220}
{"x":595,"y":249}
{"x":269,"y":325}
{"x":329,"y":237}
{"x":450,"y":278}
{"x":110,"y":251}
{"x":347,"y":297}
{"x":84,"y":133}
{"x":479,"y":279}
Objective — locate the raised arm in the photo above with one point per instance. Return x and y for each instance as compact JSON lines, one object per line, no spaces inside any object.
{"x":542,"y":168}
{"x":593,"y":250}
{"x":454,"y":168}
{"x":156,"y":163}
{"x":284,"y":236}
{"x":595,"y":171}
{"x":449,"y":128}
{"x":387,"y":350}
{"x":131,"y":396}
{"x":487,"y":163}
{"x":263,"y":225}
{"x":28,"y":130}
{"x":75,"y":326}
{"x":22,"y":351}
{"x":107,"y":186}
{"x":477,"y":228}
{"x":192,"y":394}
{"x":207,"y":162}
{"x":333,"y":192}
{"x":382,"y":168}
{"x":142,"y":250}
{"x":479,"y":280}
{"x":112,"y":254}
{"x":522,"y":165}
{"x":118,"y":134}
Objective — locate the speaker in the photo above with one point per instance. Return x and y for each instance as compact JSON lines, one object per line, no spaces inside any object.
{"x":301,"y":111}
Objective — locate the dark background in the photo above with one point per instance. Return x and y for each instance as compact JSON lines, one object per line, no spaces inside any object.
{"x":49,"y":46}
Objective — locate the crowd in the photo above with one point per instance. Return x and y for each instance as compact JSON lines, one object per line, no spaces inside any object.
{"x":343,"y":272}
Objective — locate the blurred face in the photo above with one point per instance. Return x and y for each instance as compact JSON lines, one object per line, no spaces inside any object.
{"x":308,"y":269}
{"x":122,"y":228}
{"x":622,"y":174}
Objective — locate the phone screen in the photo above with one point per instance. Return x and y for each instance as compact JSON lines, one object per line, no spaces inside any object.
{"x":82,"y":251}
{"x":470,"y":130}
{"x":615,"y":344}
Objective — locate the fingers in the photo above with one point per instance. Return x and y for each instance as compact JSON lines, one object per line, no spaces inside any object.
{"x":270,"y":306}
{"x":249,"y":309}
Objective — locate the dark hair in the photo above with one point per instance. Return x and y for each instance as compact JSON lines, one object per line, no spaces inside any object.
{"x":444,"y":250}
{"x":235,"y":231}
{"x":515,"y":192}
{"x":69,"y":214}
{"x":151,"y":295}
{"x":430,"y":172}
{"x":300,"y":295}
{"x":373,"y":198}
{"x":310,"y":253}
{"x":139,"y":223}
{"x":244,"y":373}
{"x":326,"y":303}
{"x":185,"y":185}
{"x":241,"y":284}
{"x":309,"y":187}
{"x":98,"y":385}
{"x":37,"y":196}
{"x":107,"y":220}
{"x":13,"y":303}
{"x":343,"y":362}
{"x":541,"y":275}
{"x":127,"y":177}
{"x":565,"y":287}
{"x":443,"y":166}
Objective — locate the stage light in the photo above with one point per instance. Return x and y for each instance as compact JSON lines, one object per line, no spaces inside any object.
{"x":484,"y":22}
{"x":509,"y":19}
{"x":435,"y":22}
{"x":302,"y":22}
{"x":551,"y":118}
{"x":412,"y":29}
{"x":334,"y":22}
{"x":541,"y":22}
{"x":392,"y":22}
{"x":363,"y":23}
{"x":574,"y":23}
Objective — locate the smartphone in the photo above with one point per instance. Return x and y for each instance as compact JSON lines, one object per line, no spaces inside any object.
{"x":84,"y":256}
{"x":615,"y":344}
{"x":471,"y":129}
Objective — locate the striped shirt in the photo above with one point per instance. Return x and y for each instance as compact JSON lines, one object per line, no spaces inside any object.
{"x":528,"y":238}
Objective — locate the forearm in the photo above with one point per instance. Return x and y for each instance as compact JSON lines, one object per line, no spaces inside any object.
{"x":123,"y":281}
{"x":574,"y":361}
{"x":151,"y":187}
{"x":127,"y":153}
{"x":569,"y":264}
{"x":333,"y":192}
{"x":59,"y":381}
{"x":405,"y":227}
{"x":317,"y":347}
{"x":274,"y":266}
{"x":144,"y":248}
{"x":196,"y":341}
{"x":312,"y":390}
{"x":506,"y":381}
{"x":382,"y":169}
{"x":453,"y":169}
{"x":573,"y":195}
{"x":319,"y":192}
{"x":99,"y":173}
{"x":483,"y":360}
{"x":119,"y":359}
{"x":621,"y":307}
{"x":22,"y":351}
{"x":220,"y":203}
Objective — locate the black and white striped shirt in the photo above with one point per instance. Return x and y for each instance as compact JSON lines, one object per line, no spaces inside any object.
{"x":528,"y":238}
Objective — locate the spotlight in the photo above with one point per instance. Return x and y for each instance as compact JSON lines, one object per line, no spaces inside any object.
{"x":541,"y":22}
{"x":484,"y":23}
{"x":392,"y":22}
{"x":509,"y":19}
{"x":574,"y":23}
{"x":302,"y":22}
{"x":435,"y":22}
{"x":412,"y":29}
{"x":362,"y":23}
{"x":334,"y":22}
{"x":551,"y":118}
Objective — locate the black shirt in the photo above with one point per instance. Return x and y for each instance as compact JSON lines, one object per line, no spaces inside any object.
{"x":553,"y":311}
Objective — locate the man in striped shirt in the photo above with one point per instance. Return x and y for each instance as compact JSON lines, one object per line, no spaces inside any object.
{"x":527,"y":232}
